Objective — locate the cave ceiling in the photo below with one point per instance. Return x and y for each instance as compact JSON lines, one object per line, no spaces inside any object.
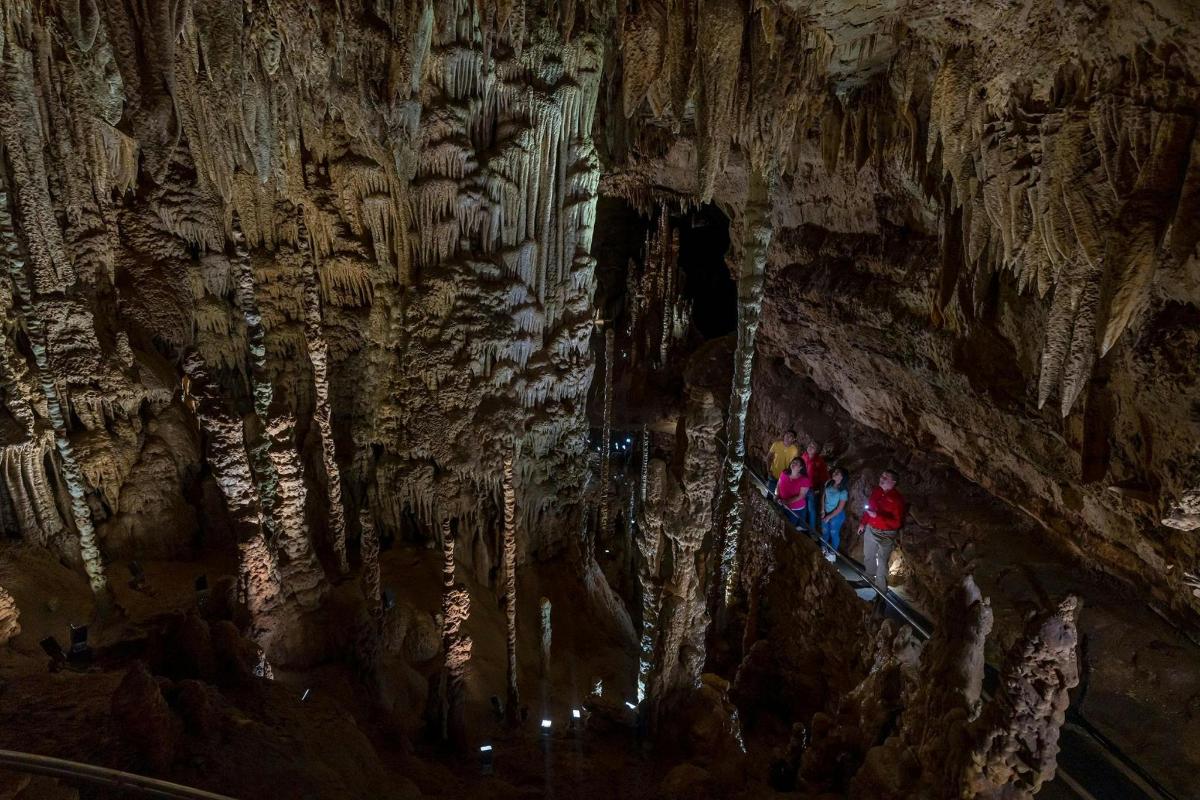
{"x":369,"y":225}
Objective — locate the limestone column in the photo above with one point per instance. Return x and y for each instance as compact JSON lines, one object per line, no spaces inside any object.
{"x":606,"y":439}
{"x":277,"y":467}
{"x":318,"y":356}
{"x":258,"y":574}
{"x":369,"y":544}
{"x":756,"y":241}
{"x":31,"y":311}
{"x":456,"y":608}
{"x":510,"y":588}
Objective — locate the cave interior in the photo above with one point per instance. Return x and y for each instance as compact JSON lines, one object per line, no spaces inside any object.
{"x":390,"y":393}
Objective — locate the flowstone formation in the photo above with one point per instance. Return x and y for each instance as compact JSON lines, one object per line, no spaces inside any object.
{"x":299,"y":328}
{"x":361,"y":285}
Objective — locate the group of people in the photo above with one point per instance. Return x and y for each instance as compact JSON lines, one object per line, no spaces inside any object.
{"x":807,"y":488}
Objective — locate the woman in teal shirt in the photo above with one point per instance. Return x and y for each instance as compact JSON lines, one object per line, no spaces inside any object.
{"x":834,"y":508}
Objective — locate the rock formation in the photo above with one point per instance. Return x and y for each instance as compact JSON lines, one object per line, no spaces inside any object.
{"x":262,"y":263}
{"x":9,"y":616}
{"x":678,"y":514}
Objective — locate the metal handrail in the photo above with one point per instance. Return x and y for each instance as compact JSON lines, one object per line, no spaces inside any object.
{"x":138,"y":785}
{"x":910,"y":615}
{"x":1112,"y":753}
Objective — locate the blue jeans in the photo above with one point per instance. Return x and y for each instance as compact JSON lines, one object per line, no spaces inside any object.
{"x":771,"y":484}
{"x":796,"y":515}
{"x":810,"y":506}
{"x":831,"y":531}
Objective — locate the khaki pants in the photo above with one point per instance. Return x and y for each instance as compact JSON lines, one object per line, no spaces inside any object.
{"x":877,"y":550}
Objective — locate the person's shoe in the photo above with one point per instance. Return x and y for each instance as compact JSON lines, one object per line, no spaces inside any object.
{"x":830,"y":556}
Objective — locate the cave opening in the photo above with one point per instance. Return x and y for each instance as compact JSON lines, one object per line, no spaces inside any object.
{"x":708,"y":285}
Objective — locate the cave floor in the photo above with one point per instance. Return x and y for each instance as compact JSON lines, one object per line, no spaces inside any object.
{"x":1141,"y":685}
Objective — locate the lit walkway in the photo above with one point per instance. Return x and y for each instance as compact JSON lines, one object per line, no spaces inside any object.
{"x":1090,"y":767}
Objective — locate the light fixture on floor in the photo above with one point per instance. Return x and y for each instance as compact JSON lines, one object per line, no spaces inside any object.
{"x":80,"y":649}
{"x":486,"y":759}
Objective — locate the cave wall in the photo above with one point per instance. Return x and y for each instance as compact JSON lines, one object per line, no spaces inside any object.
{"x":985,"y":238}
{"x":415,"y":178}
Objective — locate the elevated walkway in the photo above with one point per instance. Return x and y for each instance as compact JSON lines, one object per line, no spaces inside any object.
{"x":1090,"y":766}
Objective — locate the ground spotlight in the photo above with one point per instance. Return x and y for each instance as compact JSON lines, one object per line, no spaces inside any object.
{"x":486,"y":759}
{"x":630,"y":706}
{"x":80,"y":649}
{"x":546,"y":726}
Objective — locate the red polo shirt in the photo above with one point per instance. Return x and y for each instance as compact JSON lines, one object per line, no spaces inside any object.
{"x":817,"y":469}
{"x":886,"y":510}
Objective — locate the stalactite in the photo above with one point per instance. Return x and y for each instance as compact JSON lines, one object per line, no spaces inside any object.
{"x":259,"y":584}
{"x":510,"y":589}
{"x":318,"y":353}
{"x":756,"y":242}
{"x":369,"y":547}
{"x":606,"y":438}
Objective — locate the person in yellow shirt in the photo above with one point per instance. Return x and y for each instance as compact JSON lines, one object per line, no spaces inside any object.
{"x":780,"y":456}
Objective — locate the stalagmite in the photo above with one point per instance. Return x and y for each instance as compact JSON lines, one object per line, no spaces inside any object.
{"x":546,"y":636}
{"x":681,"y":508}
{"x":369,"y":546}
{"x":606,"y":437}
{"x":31,"y":310}
{"x":277,"y":467}
{"x":1016,"y":737}
{"x":513,"y":697}
{"x":456,"y":647}
{"x":756,"y":242}
{"x":9,"y":614}
{"x":258,"y":574}
{"x":644,"y":472}
{"x":318,"y":353}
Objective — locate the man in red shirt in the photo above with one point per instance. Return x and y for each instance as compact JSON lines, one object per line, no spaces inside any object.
{"x":881,"y":522}
{"x":818,"y":473}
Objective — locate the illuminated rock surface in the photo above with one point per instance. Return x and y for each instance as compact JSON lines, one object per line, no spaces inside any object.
{"x":362,"y":362}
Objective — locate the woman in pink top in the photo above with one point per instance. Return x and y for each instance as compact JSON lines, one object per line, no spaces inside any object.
{"x":793,"y":489}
